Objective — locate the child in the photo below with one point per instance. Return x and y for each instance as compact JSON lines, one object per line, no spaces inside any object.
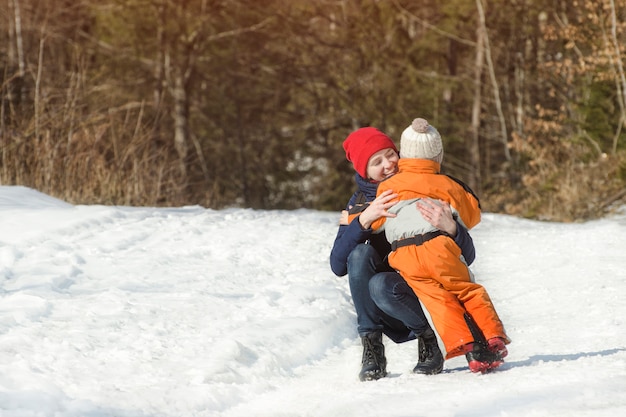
{"x":428,"y":259}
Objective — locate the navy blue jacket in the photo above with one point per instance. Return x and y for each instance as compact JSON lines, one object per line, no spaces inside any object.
{"x":349,"y":236}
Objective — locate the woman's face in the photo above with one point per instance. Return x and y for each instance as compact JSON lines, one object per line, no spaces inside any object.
{"x":382,"y":164}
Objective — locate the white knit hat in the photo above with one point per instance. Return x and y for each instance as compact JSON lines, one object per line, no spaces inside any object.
{"x":422,"y":141}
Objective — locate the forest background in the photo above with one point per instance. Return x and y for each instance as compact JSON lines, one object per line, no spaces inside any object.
{"x":234,"y":103}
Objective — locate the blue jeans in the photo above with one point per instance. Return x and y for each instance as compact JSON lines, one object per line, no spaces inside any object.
{"x":382,"y":298}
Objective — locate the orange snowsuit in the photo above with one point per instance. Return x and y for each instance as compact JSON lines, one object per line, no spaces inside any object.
{"x":435,"y":269}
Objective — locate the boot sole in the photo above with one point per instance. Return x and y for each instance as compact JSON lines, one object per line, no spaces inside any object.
{"x":483,"y":367}
{"x":372,"y":376}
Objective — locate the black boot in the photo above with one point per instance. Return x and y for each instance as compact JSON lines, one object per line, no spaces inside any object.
{"x":374,"y":361}
{"x":430,"y":360}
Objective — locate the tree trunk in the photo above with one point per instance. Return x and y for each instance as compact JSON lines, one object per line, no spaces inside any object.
{"x":494,"y":82}
{"x":16,"y":61}
{"x":159,"y":65}
{"x":475,"y":178}
{"x":181,"y":120}
{"x":621,"y":78}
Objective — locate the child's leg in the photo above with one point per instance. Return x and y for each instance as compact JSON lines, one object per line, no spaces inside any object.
{"x":447,"y":314}
{"x":477,"y":302}
{"x":447,"y":268}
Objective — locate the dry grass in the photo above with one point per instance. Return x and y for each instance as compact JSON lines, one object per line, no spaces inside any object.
{"x":562,"y":180}
{"x":94,"y":165}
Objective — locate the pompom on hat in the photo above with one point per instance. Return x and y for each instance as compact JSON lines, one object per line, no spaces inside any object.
{"x":361,"y":144}
{"x":421,"y":141}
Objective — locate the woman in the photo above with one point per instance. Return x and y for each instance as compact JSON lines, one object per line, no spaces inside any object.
{"x":383,"y":301}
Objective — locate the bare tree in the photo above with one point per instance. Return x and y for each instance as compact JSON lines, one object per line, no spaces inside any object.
{"x":494,"y":82}
{"x":475,"y":179}
{"x":16,"y":60}
{"x":620,"y":82}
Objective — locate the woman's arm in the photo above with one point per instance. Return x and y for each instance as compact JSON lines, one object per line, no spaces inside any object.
{"x":465,"y":242}
{"x":348,"y":236}
{"x":377,"y":209}
{"x":351,"y":233}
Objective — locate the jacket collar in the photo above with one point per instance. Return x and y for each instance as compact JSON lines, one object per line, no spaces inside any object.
{"x":418,"y":166}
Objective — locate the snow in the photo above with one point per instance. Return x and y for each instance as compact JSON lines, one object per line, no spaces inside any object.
{"x":140,"y":311}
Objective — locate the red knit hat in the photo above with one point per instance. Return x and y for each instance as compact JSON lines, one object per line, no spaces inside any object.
{"x":361,"y":144}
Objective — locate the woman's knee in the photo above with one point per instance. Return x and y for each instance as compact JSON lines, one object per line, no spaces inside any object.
{"x":362,"y":253}
{"x":382,"y":285}
{"x":363,"y":260}
{"x":362,"y":263}
{"x":390,"y":286}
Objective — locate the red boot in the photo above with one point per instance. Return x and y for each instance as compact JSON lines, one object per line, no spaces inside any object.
{"x":497,"y":346}
{"x":480,"y":358}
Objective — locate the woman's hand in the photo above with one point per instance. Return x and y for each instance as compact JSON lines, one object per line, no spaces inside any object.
{"x":438,"y":214}
{"x":344,"y":219}
{"x":378,"y":208}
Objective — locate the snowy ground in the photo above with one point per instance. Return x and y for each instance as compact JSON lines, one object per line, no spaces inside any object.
{"x":119,"y":311}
